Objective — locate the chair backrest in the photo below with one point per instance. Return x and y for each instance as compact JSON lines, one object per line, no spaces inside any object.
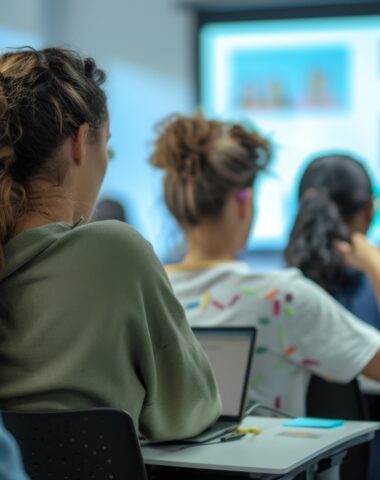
{"x":97,"y":444}
{"x":337,"y":400}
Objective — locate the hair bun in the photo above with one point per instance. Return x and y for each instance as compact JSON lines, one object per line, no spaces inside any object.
{"x":259,"y":148}
{"x":191,"y":166}
{"x":180,"y":148}
{"x":92,"y":71}
{"x":205,"y":161}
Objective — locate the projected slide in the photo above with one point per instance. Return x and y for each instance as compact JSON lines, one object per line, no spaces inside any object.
{"x":263,"y":81}
{"x":312,"y":85}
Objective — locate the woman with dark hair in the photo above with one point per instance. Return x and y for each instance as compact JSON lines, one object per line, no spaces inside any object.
{"x":87,"y":315}
{"x":336,"y":207}
{"x":109,"y":209}
{"x":335,"y":211}
{"x":210,"y":169}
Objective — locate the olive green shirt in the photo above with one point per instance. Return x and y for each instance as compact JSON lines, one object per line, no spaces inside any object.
{"x":88,"y":318}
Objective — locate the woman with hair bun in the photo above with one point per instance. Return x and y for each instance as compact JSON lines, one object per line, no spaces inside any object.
{"x":328,"y":244}
{"x":210,"y":169}
{"x":87,"y":315}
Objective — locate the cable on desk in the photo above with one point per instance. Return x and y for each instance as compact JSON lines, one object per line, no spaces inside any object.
{"x":229,"y":437}
{"x":261,"y":406}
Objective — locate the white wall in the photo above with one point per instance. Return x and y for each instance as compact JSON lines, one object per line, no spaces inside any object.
{"x":22,"y":15}
{"x":20,"y":23}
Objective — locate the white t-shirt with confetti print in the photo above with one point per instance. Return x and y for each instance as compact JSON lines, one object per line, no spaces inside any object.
{"x":301,"y":329}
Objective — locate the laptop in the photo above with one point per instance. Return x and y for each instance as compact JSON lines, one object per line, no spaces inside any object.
{"x":230,"y":352}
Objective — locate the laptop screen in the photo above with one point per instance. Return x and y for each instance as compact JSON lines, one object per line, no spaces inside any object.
{"x":229,"y":351}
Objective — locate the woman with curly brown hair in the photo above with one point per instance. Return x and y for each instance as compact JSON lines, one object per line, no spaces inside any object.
{"x":87,"y":316}
{"x":210,"y":169}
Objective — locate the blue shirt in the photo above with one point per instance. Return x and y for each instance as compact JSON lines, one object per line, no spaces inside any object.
{"x":10,"y":460}
{"x":357,"y":295}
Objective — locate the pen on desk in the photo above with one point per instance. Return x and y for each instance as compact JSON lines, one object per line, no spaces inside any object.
{"x":254,"y":430}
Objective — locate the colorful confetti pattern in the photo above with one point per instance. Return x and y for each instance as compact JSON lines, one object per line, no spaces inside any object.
{"x":281,"y":306}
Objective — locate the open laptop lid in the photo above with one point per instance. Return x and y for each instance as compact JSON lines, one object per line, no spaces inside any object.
{"x":230,"y":352}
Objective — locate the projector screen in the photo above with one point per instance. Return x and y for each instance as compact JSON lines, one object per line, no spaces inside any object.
{"x":312,"y":85}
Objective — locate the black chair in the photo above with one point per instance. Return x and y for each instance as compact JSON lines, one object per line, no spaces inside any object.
{"x":97,"y":444}
{"x":336,"y":400}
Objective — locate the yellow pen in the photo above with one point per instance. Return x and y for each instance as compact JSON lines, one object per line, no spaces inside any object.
{"x":254,"y":430}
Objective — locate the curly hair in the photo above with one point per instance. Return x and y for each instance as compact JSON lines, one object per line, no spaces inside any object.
{"x":204,"y":161}
{"x":45,"y":95}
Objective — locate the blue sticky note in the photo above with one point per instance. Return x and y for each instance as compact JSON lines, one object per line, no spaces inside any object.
{"x":310,"y":422}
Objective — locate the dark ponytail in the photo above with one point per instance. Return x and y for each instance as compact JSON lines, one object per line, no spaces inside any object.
{"x":311,"y":247}
{"x":332,"y":189}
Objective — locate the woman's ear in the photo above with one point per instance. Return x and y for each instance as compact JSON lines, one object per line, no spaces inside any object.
{"x":245,"y":203}
{"x":362,"y":219}
{"x":79,"y":144}
{"x":369,"y":210}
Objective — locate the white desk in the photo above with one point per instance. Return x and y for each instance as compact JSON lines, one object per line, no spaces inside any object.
{"x":268,"y":455}
{"x":368,"y":386}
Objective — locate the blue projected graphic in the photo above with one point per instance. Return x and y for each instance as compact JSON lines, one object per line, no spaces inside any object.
{"x":263,"y":80}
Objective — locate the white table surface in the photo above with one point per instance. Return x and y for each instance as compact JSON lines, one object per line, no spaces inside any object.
{"x":267,"y":453}
{"x":371,"y":387}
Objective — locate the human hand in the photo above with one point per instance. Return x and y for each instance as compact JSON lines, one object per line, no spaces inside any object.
{"x":360,"y":254}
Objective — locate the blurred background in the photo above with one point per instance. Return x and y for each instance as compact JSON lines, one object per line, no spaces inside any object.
{"x":305,"y":72}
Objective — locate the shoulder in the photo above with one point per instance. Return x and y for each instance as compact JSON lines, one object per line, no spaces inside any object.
{"x":111,"y":230}
{"x":117,"y":235}
{"x":284,"y":279}
{"x":288,"y":284}
{"x":237,"y":274}
{"x":114,"y":242}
